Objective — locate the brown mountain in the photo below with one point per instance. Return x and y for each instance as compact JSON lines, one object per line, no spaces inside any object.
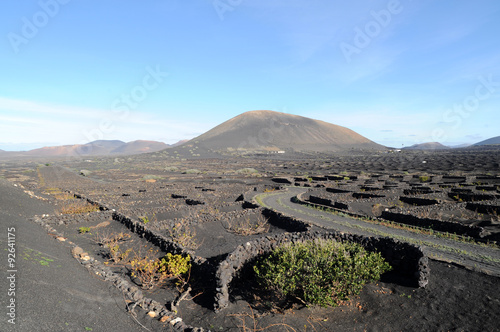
{"x":275,"y":131}
{"x":95,"y":148}
{"x":427,"y":146}
{"x":490,"y":141}
{"x":179,"y":143}
{"x":140,"y":146}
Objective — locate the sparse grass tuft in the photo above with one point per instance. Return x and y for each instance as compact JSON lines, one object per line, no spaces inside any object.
{"x":191,"y":171}
{"x":247,"y":226}
{"x":250,"y":323}
{"x":247,"y":170}
{"x":64,"y":196}
{"x":184,"y":234}
{"x":78,"y":207}
{"x":171,"y":169}
{"x":151,"y":177}
{"x":112,"y":243}
{"x":83,"y":230}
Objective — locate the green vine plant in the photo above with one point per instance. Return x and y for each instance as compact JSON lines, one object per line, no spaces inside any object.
{"x":152,"y":272}
{"x":83,"y":230}
{"x":184,"y":234}
{"x":112,"y":243}
{"x":145,"y":219}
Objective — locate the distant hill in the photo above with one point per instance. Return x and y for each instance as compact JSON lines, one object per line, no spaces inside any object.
{"x":137,"y":147}
{"x":268,"y":131}
{"x":489,"y":141}
{"x":179,"y":143}
{"x":427,"y":146}
{"x":460,"y":146}
{"x":95,"y":148}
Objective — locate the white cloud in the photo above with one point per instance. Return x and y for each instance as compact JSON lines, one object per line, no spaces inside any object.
{"x":10,"y":105}
{"x":381,"y":124}
{"x":30,"y":122}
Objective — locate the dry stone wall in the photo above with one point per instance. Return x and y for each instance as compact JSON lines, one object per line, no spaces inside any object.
{"x":407,"y":260}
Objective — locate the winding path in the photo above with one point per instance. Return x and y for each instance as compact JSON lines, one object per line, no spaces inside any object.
{"x":471,"y":256}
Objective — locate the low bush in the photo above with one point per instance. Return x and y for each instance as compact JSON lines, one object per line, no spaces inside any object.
{"x":191,"y":171}
{"x":424,"y":178}
{"x":247,"y":226}
{"x":152,"y":177}
{"x":184,"y":234}
{"x":247,"y":170}
{"x":83,"y":230}
{"x":152,"y":272}
{"x":319,"y":272}
{"x":112,"y":243}
{"x":77,"y":207}
{"x":116,"y":253}
{"x":171,"y":169}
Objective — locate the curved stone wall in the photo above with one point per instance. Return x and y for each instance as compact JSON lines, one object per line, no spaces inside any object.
{"x":407,"y":260}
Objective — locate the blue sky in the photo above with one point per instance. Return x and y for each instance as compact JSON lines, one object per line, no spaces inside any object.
{"x":397,"y":72}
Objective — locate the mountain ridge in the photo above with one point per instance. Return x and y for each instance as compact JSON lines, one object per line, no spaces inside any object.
{"x":252,"y":132}
{"x":427,"y":146}
{"x":490,"y":141}
{"x":94,"y":148}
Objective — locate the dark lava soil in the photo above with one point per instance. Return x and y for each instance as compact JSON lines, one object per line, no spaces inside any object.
{"x":208,"y":197}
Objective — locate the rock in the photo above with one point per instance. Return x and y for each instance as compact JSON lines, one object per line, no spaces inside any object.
{"x":60,"y":238}
{"x":175,"y":321}
{"x":103,"y":224}
{"x":152,"y":314}
{"x":85,"y":257}
{"x":76,"y":251}
{"x":281,"y":180}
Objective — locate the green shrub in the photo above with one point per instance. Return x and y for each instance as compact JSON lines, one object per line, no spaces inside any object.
{"x":176,"y":265}
{"x":424,"y":178}
{"x":152,"y":272}
{"x":171,"y":169}
{"x":247,"y":170}
{"x":151,"y":177}
{"x":191,"y":171}
{"x":83,"y":230}
{"x":320,"y":272}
